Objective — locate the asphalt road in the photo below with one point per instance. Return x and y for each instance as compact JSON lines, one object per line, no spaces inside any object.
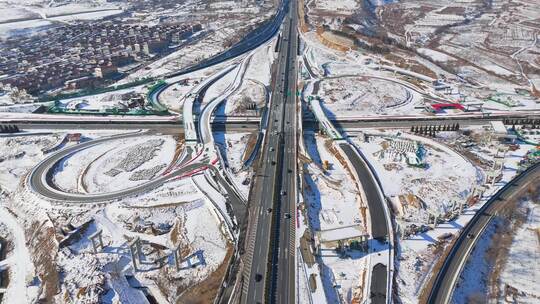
{"x":238,"y":123}
{"x":162,"y":128}
{"x":379,"y":226}
{"x":284,"y":290}
{"x":269,"y":205}
{"x":447,"y":277}
{"x":379,"y":229}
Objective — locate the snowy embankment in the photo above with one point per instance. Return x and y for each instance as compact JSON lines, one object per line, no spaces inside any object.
{"x":18,"y":154}
{"x":215,"y":197}
{"x":18,"y":262}
{"x":522,"y":267}
{"x":233,"y":148}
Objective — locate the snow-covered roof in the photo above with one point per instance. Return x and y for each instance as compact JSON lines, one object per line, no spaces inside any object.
{"x":498,"y":127}
{"x":342,"y":233}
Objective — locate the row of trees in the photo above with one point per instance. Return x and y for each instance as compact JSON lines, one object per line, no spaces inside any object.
{"x":432,"y":130}
{"x":9,"y":129}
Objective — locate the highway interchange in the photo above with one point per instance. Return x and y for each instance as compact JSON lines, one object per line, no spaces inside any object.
{"x":269,"y":270}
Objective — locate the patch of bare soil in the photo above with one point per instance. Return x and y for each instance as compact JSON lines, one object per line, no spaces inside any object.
{"x":250,"y":145}
{"x":206,"y":291}
{"x":44,"y":247}
{"x":410,"y":64}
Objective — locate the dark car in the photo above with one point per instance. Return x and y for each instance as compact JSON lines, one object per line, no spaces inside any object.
{"x":287,"y":216}
{"x":258,"y":277}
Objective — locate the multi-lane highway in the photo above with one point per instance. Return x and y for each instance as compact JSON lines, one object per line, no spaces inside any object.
{"x":270,"y":256}
{"x":447,"y":277}
{"x":282,"y":287}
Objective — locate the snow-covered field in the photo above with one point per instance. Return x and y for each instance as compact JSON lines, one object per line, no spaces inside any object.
{"x":355,"y":96}
{"x":14,"y":14}
{"x":173,"y":96}
{"x":251,"y":94}
{"x":253,"y":90}
{"x":261,"y":61}
{"x":335,"y":201}
{"x":116,"y":165}
{"x":333,"y":6}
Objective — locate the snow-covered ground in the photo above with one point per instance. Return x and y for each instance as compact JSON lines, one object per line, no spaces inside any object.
{"x":18,"y":154}
{"x":250,"y":96}
{"x":116,"y":99}
{"x":441,"y":178}
{"x":115,"y":165}
{"x":333,"y":204}
{"x":233,"y":147}
{"x":252,"y":93}
{"x":261,"y":61}
{"x":174,"y":95}
{"x":473,"y":285}
{"x":18,"y":262}
{"x":418,"y":254}
{"x":43,"y":16}
{"x":335,"y":200}
{"x":520,"y":277}
{"x":365,"y":96}
{"x":50,"y":246}
{"x":333,"y":6}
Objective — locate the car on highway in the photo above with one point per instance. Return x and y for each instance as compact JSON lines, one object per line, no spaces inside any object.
{"x":258,"y":277}
{"x":269,"y":210}
{"x":287,"y":216}
{"x":283,"y":192}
